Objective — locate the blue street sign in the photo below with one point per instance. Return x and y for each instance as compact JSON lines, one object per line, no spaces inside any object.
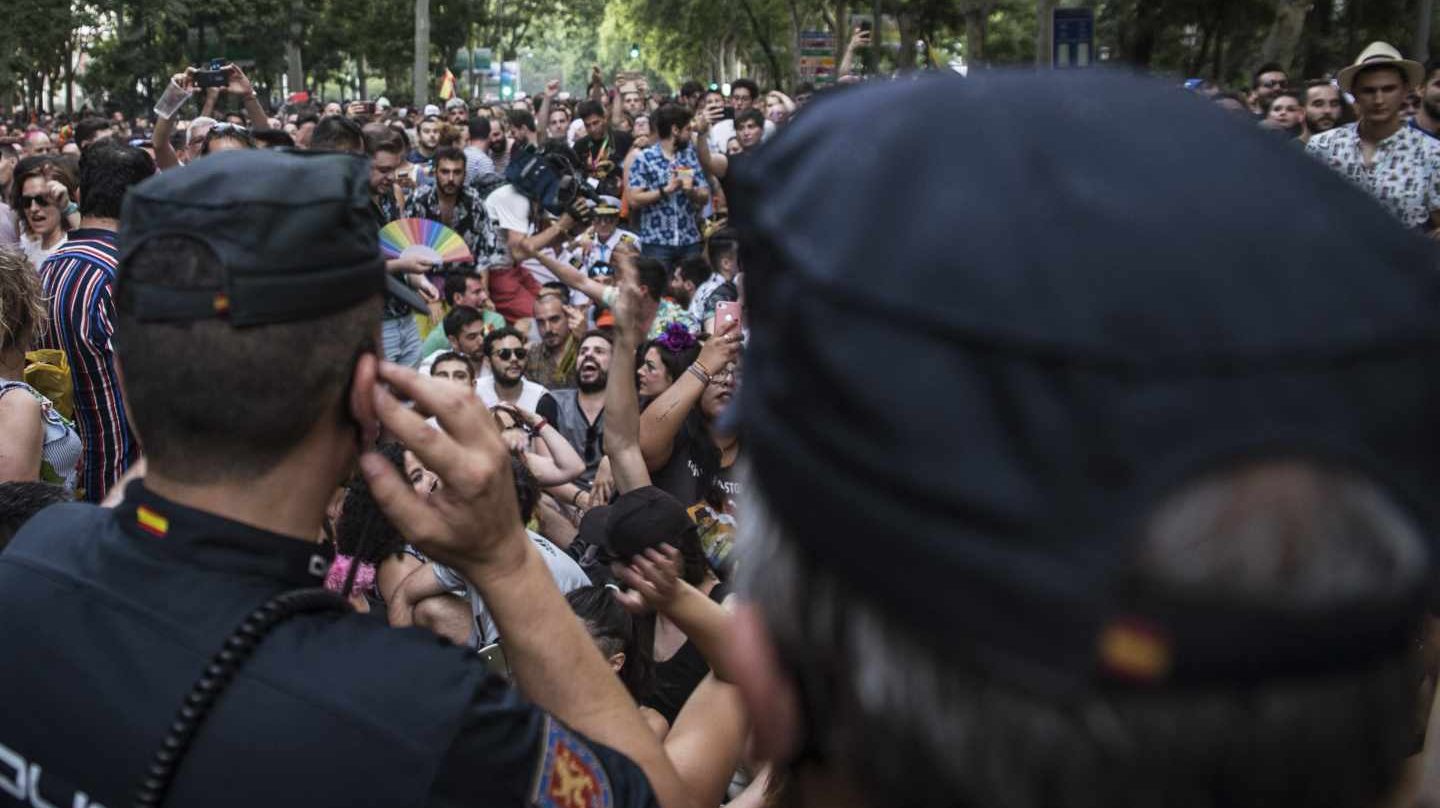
{"x":1074,"y":37}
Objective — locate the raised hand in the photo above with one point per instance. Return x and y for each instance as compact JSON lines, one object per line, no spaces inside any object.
{"x":472,"y":521}
{"x":653,"y":578}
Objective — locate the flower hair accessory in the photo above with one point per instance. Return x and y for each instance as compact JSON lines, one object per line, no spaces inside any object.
{"x":677,"y":338}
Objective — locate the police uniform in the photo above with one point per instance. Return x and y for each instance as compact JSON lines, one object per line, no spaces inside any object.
{"x":107,"y":618}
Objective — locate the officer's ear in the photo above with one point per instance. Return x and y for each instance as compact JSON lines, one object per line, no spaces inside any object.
{"x":362,"y":398}
{"x":767,"y":689}
{"x":617,"y":661}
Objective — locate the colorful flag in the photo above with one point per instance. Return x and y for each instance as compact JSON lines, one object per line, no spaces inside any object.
{"x":447,"y":86}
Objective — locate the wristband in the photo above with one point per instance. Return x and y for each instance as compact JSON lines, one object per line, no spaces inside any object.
{"x":72,"y":209}
{"x":698,"y":364}
{"x":699,"y":374}
{"x":609,"y":296}
{"x":575,"y":500}
{"x":539,"y":425}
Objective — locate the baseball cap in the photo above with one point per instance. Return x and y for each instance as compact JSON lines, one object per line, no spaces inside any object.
{"x":1088,"y":322}
{"x":293,"y":230}
{"x":431,"y":109}
{"x":455,"y":103}
{"x":633,"y":522}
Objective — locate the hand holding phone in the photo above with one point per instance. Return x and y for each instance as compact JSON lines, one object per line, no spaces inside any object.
{"x":727,"y":317}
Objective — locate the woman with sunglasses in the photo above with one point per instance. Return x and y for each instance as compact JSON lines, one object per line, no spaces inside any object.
{"x":43,"y":190}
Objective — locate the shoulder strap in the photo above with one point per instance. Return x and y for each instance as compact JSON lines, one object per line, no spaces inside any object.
{"x":233,"y":654}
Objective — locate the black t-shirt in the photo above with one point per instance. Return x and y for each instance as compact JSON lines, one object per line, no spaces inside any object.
{"x":677,"y":677}
{"x":547,"y":408}
{"x":613,"y":148}
{"x":693,"y":474}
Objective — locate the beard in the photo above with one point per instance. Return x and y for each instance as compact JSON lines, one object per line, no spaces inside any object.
{"x":1432,"y":109}
{"x":1322,"y":123}
{"x":594,"y":386}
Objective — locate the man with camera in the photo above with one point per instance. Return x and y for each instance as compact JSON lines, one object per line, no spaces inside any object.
{"x":518,"y":215}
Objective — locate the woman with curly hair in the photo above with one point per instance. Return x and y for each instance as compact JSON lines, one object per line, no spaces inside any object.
{"x":36,"y":441}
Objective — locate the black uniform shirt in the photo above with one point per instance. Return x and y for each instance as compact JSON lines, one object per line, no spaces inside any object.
{"x":108,"y":617}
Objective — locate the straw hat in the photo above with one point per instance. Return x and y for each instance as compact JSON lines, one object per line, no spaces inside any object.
{"x":1381,"y":53}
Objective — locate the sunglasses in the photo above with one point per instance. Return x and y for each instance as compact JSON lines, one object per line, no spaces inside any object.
{"x":42,"y":201}
{"x":1272,"y":83}
{"x":504,"y":354}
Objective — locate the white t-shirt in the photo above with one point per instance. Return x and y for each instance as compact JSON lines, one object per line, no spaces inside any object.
{"x":508,"y":209}
{"x":30,"y":245}
{"x":567,"y":574}
{"x":530,"y":393}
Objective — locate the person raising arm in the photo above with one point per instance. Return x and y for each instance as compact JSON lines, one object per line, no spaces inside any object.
{"x":472,"y":523}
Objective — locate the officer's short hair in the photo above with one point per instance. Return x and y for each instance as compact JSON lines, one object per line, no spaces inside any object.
{"x":213,"y":402}
{"x":21,"y":500}
{"x":920,"y":724}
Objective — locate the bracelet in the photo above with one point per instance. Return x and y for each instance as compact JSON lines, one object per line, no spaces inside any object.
{"x":699,"y":374}
{"x":698,"y":364}
{"x":575,"y":500}
{"x":539,"y":425}
{"x":72,"y":209}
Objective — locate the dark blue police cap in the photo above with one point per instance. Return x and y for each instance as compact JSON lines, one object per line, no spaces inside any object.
{"x":993,"y":320}
{"x":293,"y":230}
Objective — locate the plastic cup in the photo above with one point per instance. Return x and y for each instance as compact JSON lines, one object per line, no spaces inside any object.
{"x":170,"y":103}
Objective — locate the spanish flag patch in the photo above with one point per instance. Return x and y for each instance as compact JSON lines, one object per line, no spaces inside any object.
{"x":570,"y":774}
{"x":1134,"y":650}
{"x":152,"y":522}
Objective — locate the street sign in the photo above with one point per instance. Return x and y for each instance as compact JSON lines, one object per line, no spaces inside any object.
{"x":481,"y":59}
{"x":817,"y":57}
{"x":1074,"y":37}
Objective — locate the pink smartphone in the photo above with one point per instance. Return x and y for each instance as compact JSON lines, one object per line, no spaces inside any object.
{"x":727,"y":316}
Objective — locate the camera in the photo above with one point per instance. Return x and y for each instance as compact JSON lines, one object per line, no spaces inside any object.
{"x":212,"y":77}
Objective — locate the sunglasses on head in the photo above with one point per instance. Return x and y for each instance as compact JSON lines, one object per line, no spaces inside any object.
{"x":41,"y":200}
{"x":504,"y":354}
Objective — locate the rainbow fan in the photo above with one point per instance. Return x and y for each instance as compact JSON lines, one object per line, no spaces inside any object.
{"x":426,"y":239}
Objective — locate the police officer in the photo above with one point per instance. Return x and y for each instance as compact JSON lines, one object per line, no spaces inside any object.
{"x":248,"y":304}
{"x":1145,"y":513}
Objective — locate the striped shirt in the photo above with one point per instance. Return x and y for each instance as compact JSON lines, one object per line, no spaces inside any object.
{"x":77,"y":283}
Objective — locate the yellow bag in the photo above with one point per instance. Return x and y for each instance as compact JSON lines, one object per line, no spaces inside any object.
{"x":48,"y":371}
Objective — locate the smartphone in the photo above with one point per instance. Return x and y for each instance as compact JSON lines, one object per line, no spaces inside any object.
{"x":866,"y":25}
{"x":727,"y":316}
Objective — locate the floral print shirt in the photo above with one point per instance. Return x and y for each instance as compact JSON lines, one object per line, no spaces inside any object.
{"x":1405,"y":174}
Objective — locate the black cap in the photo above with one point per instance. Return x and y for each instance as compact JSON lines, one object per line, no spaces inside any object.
{"x":635,"y":521}
{"x":293,"y":230}
{"x":1075,"y":304}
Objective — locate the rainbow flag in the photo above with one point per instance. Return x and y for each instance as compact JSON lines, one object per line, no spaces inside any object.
{"x":447,"y":85}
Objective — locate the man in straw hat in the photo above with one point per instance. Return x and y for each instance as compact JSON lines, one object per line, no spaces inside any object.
{"x":1398,"y":165}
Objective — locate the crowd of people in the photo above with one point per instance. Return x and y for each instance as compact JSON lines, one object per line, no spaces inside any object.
{"x":969,"y":535}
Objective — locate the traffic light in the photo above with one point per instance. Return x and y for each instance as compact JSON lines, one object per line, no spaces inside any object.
{"x":634,"y":51}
